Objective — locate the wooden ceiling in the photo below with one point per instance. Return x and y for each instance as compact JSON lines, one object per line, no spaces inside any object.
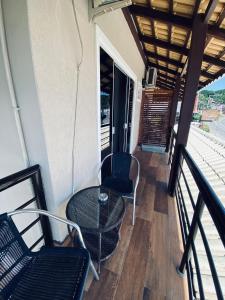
{"x":164,"y":29}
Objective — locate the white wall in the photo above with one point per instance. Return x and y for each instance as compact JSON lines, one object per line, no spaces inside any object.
{"x":117,"y":30}
{"x":18,"y":41}
{"x":45,"y":80}
{"x":11,"y":152}
{"x":56,"y":51}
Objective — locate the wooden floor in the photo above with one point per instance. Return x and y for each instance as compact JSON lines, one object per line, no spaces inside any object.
{"x":143,"y":266}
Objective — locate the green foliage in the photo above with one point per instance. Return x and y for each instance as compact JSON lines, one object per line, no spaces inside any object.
{"x":196,"y":117}
{"x":204,"y":98}
{"x":205,"y":127}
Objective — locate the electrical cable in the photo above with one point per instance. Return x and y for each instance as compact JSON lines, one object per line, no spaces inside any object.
{"x":77,"y":93}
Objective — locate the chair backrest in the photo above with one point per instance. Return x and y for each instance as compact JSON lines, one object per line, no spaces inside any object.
{"x":33,"y":175}
{"x":121,"y":163}
{"x":14,"y":254}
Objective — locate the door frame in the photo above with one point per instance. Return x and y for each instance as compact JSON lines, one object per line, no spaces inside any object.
{"x":103,"y":42}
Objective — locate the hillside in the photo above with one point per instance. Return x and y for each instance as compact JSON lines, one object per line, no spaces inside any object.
{"x":218,"y":97}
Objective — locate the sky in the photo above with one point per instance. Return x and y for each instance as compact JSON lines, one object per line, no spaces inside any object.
{"x":218,"y":84}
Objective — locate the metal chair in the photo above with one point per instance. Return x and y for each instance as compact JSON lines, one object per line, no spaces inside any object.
{"x":119,"y":180}
{"x":50,"y":273}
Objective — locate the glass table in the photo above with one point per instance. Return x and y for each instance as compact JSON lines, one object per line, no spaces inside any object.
{"x":99,"y":220}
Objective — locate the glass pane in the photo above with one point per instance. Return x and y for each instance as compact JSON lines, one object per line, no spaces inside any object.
{"x":105,"y":108}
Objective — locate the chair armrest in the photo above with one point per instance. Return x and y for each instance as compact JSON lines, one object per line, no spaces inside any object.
{"x":138,"y":172}
{"x":104,"y":159}
{"x":62,"y":220}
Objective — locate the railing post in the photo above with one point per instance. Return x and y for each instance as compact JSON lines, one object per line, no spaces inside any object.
{"x":169,"y":138}
{"x":173,"y":111}
{"x":192,"y":234}
{"x":170,"y":146}
{"x":191,"y":86}
{"x":176,"y":169}
{"x":41,"y":204}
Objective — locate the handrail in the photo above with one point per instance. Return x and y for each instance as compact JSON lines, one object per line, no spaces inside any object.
{"x":206,"y":198}
{"x":213,"y":203}
{"x":18,"y":177}
{"x":34,"y":175}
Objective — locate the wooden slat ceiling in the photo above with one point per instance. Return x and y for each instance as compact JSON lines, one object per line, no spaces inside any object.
{"x":164,"y":29}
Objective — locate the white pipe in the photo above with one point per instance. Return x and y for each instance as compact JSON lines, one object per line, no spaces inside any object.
{"x":14,"y":102}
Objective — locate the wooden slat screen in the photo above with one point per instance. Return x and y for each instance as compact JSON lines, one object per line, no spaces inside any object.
{"x":154,"y":121}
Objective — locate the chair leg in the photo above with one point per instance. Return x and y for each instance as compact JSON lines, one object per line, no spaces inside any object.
{"x":133,"y":217}
{"x":94,"y":271}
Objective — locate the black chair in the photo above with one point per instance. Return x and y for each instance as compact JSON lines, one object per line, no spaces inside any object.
{"x":119,"y":180}
{"x":50,"y":273}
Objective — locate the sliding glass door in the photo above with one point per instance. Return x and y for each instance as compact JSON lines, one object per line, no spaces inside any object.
{"x":122,"y":111}
{"x":116,"y":108}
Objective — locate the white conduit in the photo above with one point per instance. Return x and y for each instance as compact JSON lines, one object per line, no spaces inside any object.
{"x":78,"y":67}
{"x":13,"y":98}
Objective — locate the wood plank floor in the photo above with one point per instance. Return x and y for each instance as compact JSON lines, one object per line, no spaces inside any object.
{"x":143,"y":266}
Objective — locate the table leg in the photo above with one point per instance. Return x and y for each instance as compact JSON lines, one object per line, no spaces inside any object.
{"x":99,"y":252}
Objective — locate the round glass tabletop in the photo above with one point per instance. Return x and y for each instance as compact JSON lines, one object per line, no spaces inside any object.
{"x":96,"y":209}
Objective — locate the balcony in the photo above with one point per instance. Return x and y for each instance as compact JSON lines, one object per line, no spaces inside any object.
{"x":73,"y":90}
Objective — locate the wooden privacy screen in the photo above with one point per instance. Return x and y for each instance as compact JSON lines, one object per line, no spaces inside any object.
{"x":155,"y":113}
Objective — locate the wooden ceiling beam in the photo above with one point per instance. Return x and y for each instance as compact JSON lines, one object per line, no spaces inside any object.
{"x":216,"y":32}
{"x":170,"y":18}
{"x":173,"y":80}
{"x":134,"y":32}
{"x":221,"y":17}
{"x":209,"y":10}
{"x":162,"y":85}
{"x":195,"y":11}
{"x":153,"y":29}
{"x":169,"y":29}
{"x":201,"y":83}
{"x":166,"y":83}
{"x":163,"y":44}
{"x":218,"y":23}
{"x":168,"y":79}
{"x":208,"y":75}
{"x":165,"y":69}
{"x":214,"y":61}
{"x":171,"y":6}
{"x":182,"y":50}
{"x":169,"y":83}
{"x":164,"y":59}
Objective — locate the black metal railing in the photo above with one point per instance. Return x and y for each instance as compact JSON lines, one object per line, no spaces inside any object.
{"x":38,"y":199}
{"x":196,"y":199}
